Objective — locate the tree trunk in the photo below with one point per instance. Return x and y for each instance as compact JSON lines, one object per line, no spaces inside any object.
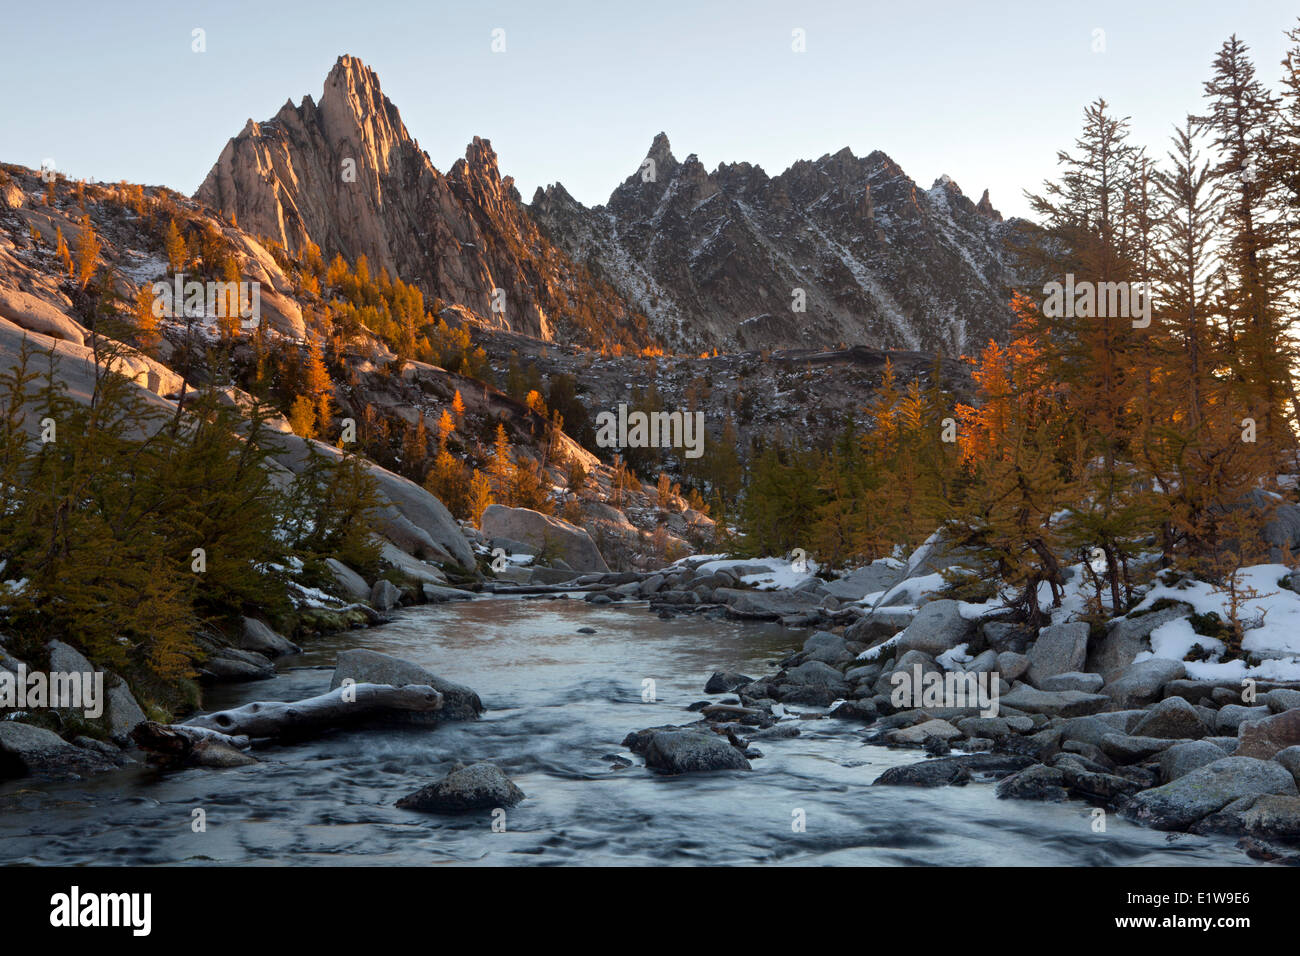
{"x":343,"y":705}
{"x":177,"y":745}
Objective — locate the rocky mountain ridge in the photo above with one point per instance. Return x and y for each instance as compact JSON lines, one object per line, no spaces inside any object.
{"x":346,"y":175}
{"x":843,"y":249}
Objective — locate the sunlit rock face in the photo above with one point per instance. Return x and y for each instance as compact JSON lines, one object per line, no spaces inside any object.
{"x":346,"y":175}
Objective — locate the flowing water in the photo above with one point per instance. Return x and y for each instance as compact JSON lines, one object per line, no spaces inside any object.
{"x":560,"y":702}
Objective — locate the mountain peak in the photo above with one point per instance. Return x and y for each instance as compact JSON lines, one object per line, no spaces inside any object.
{"x":661,"y":152}
{"x":350,"y":79}
{"x":480,"y":155}
{"x":985,"y":208}
{"x":349,"y":71}
{"x":346,"y":176}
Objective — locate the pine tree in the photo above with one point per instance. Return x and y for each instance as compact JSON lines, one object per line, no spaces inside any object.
{"x":1284,"y":164}
{"x":174,"y":247}
{"x":228,"y":310}
{"x":450,"y":482}
{"x":842,"y":530}
{"x":1094,"y":354}
{"x":528,"y":487}
{"x":330,"y":511}
{"x":62,"y":252}
{"x":302,"y":417}
{"x":1007,"y":511}
{"x":318,"y":388}
{"x":103,"y":523}
{"x":781,"y":501}
{"x":1189,"y":282}
{"x":446,"y":426}
{"x":1181,"y":396}
{"x":478,"y":497}
{"x":1241,"y":119}
{"x":501,"y":469}
{"x":88,"y":249}
{"x":147,"y":334}
{"x":415,"y":448}
{"x":337,"y":274}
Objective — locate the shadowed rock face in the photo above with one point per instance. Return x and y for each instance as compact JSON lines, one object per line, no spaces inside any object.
{"x":346,"y":175}
{"x":714,"y":258}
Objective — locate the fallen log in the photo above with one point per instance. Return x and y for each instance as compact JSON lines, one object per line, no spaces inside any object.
{"x":730,"y":710}
{"x":176,"y":745}
{"x":495,"y":588}
{"x":343,"y":705}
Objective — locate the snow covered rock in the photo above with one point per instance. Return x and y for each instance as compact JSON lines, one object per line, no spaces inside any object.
{"x":937,"y":627}
{"x":1125,"y":638}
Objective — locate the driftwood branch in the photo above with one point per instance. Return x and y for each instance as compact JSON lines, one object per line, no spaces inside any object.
{"x":176,"y":745}
{"x":341,"y":706}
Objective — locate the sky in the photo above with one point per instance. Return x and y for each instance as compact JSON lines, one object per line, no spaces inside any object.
{"x":986,"y":93}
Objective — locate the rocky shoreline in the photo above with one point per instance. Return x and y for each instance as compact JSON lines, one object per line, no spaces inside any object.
{"x":1080,"y":715}
{"x":1077,"y":713}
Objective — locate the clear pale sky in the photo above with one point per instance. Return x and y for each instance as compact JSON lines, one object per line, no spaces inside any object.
{"x":986,"y":93}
